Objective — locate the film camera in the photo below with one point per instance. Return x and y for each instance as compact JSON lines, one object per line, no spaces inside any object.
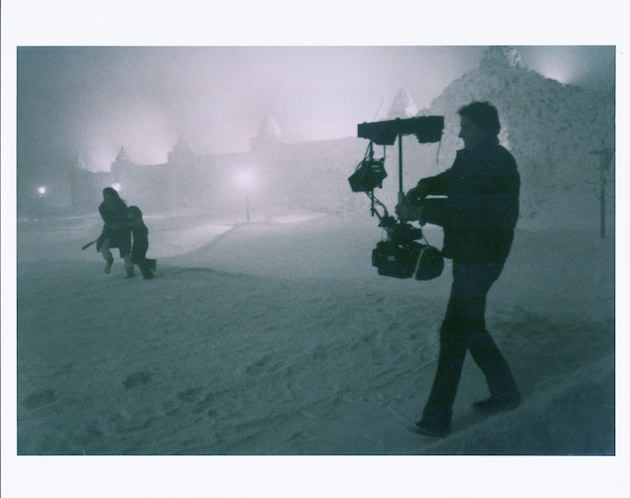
{"x":401,"y":254}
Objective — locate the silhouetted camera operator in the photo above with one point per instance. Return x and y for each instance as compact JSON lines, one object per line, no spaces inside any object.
{"x":478,"y":218}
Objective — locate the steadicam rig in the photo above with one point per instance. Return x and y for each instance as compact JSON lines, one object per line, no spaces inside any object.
{"x":400,"y":255}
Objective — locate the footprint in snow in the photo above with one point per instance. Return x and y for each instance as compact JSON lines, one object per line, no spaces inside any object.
{"x":190,"y":395}
{"x":39,"y":398}
{"x":136,"y":379}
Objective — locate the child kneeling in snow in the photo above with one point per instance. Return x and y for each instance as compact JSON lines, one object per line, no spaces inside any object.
{"x":140,"y":246}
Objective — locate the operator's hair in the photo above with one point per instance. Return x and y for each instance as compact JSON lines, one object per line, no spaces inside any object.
{"x":484,"y":115}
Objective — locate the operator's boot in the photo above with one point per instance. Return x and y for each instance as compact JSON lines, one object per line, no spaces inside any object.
{"x":434,"y":423}
{"x":501,"y":403}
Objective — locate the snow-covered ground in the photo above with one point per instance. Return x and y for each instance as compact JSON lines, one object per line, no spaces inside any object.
{"x":277,"y":337}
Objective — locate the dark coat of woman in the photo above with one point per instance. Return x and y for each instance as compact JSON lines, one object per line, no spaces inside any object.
{"x":115,"y":228}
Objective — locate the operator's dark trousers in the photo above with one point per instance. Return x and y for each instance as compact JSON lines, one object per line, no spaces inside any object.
{"x":464,"y":329}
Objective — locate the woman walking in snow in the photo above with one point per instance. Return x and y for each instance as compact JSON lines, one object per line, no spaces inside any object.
{"x":116,"y":233}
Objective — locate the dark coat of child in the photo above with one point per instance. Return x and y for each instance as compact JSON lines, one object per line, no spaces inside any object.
{"x":140,"y":245}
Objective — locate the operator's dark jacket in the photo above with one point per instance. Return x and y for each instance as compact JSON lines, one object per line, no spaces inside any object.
{"x":481,"y":210}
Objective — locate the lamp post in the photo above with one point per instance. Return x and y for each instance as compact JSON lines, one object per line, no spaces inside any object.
{"x":606,"y":155}
{"x":40,"y":207}
{"x":247,"y":204}
{"x":245,"y":180}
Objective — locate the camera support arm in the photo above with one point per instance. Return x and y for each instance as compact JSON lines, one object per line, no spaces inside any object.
{"x":400,"y":255}
{"x":374,"y":211}
{"x":426,"y":129}
{"x":401,"y":192}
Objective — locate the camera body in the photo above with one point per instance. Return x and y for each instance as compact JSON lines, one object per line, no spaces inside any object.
{"x":369,"y":174}
{"x":402,"y":256}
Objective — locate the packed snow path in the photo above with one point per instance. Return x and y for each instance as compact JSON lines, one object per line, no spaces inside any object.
{"x":279,"y":338}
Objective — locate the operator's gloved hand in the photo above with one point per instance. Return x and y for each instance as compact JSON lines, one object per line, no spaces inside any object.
{"x":408,"y":212}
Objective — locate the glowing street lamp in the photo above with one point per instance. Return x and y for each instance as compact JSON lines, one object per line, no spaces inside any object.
{"x":245,"y":180}
{"x":39,"y":204}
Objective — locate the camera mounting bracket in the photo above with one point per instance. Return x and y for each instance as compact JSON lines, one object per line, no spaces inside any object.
{"x":427,"y":129}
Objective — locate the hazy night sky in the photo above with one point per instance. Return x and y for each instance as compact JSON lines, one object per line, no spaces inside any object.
{"x":92,"y":100}
{"x":143,"y":74}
